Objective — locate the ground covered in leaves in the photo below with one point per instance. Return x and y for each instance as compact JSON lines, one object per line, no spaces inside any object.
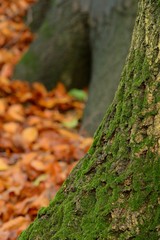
{"x":39,"y":143}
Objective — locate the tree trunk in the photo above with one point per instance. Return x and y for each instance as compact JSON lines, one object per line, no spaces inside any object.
{"x":109,"y":51}
{"x":114,"y":191}
{"x":88,"y":27}
{"x":37,"y":13}
{"x":71,"y":32}
{"x":61,"y":50}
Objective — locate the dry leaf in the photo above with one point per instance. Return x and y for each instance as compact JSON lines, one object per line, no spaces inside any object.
{"x":68,"y":134}
{"x":38,"y":165}
{"x":11,"y":127}
{"x":30,"y":134}
{"x":3,"y":165}
{"x":7,"y":70}
{"x":14,"y":223}
{"x":4,"y":235}
{"x":3,"y":106}
{"x":16,"y":112}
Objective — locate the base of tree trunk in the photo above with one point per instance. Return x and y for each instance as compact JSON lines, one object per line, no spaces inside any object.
{"x":114,"y":191}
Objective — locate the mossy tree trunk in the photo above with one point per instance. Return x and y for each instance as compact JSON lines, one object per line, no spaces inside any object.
{"x":37,"y":13}
{"x":114,"y":191}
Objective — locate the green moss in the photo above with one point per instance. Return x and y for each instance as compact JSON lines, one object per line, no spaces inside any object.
{"x":46,"y":30}
{"x":30,"y":60}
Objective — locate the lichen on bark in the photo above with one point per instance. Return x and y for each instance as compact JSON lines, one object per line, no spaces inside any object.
{"x":114,"y":191}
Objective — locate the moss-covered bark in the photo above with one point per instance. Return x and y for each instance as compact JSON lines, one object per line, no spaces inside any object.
{"x":37,"y":13}
{"x":114,"y":191}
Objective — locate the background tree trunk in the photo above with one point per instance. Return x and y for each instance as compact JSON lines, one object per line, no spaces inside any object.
{"x":110,"y":40}
{"x":61,"y":50}
{"x":37,"y":13}
{"x":113,"y":192}
{"x":80,"y":42}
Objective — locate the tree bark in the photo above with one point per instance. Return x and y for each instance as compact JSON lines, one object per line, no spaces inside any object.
{"x":110,"y":40}
{"x":114,"y":191}
{"x":61,"y":50}
{"x":80,"y":42}
{"x":68,"y":34}
{"x":37,"y":13}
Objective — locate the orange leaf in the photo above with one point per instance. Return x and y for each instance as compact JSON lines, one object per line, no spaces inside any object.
{"x":7,"y":70}
{"x":28,"y":157}
{"x":68,"y":134}
{"x":30,"y":134}
{"x":86,"y":143}
{"x":40,"y":88}
{"x":3,"y":106}
{"x":11,"y":127}
{"x":14,"y":223}
{"x":38,"y":165}
{"x":47,"y":102}
{"x":4,"y":235}
{"x":3,"y":165}
{"x":16,"y":112}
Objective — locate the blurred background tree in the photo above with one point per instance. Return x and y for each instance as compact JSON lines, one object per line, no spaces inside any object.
{"x":80,"y":43}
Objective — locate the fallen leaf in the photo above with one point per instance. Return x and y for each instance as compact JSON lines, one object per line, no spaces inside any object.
{"x":4,"y":235}
{"x":68,"y":134}
{"x":3,"y":106}
{"x":11,"y":127}
{"x":70,"y":124}
{"x":39,"y":89}
{"x":38,"y":165}
{"x":78,"y":94}
{"x":14,"y":223}
{"x":40,"y":179}
{"x":16,"y":112}
{"x":3,"y":165}
{"x":30,"y":134}
{"x":7,"y":70}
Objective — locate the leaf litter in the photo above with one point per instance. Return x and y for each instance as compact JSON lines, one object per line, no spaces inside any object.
{"x":39,"y":140}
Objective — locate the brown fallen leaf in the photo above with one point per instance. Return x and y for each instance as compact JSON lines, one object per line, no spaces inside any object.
{"x":3,"y":165}
{"x":4,"y":235}
{"x":16,"y":113}
{"x":11,"y":127}
{"x":30,"y":134}
{"x":14,"y":223}
{"x":3,"y":106}
{"x":7,"y":70}
{"x":39,"y":89}
{"x":38,"y":165}
{"x":68,"y":134}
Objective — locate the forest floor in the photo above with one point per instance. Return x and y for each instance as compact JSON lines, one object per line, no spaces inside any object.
{"x":39,"y":140}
